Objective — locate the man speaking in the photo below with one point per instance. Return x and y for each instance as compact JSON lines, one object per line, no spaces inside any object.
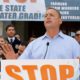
{"x":53,"y":44}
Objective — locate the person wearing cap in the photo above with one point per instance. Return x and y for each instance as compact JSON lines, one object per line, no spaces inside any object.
{"x":77,"y":36}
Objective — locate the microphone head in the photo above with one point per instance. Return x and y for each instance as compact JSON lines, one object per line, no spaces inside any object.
{"x":47,"y":43}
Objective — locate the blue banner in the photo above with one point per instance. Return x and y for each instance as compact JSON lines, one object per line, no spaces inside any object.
{"x":34,"y":10}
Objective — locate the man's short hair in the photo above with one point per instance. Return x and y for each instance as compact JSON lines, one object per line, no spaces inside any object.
{"x":10,"y":25}
{"x":55,"y":10}
{"x":78,"y":32}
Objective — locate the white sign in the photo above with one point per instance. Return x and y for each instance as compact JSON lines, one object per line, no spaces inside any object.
{"x":40,"y":69}
{"x":27,"y":10}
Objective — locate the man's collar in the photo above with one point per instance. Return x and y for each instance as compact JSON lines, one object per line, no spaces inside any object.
{"x":9,"y":38}
{"x":60,"y":34}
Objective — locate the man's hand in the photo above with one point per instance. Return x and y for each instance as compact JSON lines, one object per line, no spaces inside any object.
{"x":8,"y":51}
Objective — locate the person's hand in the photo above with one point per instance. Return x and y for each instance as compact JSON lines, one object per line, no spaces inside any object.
{"x":1,"y":51}
{"x":8,"y":51}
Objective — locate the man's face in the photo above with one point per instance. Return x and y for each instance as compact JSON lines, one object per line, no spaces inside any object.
{"x":52,"y":19}
{"x":10,"y":31}
{"x":78,"y":37}
{"x":2,"y":41}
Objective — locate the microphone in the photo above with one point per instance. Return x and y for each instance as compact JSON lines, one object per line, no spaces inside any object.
{"x":47,"y":44}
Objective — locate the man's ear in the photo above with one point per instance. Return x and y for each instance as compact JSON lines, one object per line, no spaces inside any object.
{"x":60,"y":21}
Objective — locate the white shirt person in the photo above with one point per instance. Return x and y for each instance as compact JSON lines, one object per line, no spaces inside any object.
{"x":52,"y":45}
{"x":60,"y":45}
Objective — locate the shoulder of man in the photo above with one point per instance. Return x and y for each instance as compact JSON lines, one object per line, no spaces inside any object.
{"x":70,"y":39}
{"x":37,"y":40}
{"x":16,"y":41}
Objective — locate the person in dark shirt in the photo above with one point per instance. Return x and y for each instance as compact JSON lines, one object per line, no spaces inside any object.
{"x":10,"y":31}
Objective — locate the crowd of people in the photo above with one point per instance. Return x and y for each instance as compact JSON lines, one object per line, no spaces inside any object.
{"x":14,"y":41}
{"x":12,"y":47}
{"x":17,"y":44}
{"x":54,"y":44}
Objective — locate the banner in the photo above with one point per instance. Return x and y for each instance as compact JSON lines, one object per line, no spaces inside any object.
{"x":34,"y":10}
{"x":57,"y":69}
